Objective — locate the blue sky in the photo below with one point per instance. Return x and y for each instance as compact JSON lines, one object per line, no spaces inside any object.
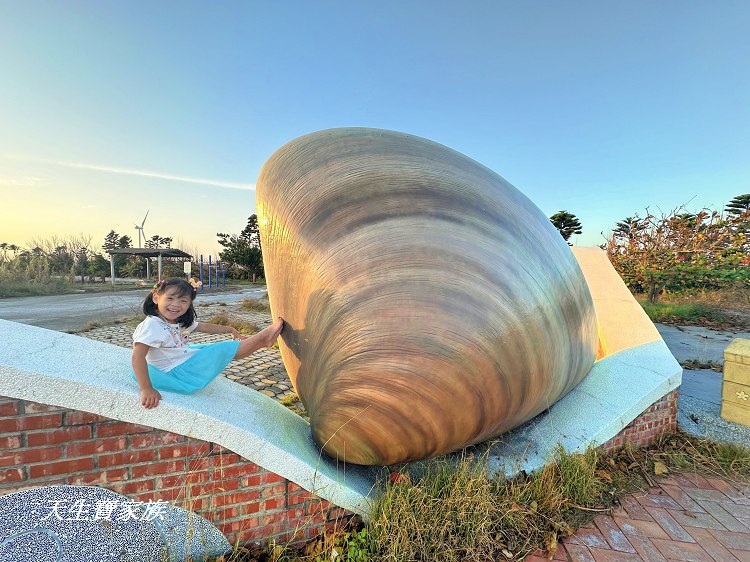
{"x":602,"y":108}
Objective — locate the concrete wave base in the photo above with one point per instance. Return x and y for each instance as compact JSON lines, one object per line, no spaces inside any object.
{"x":616,"y":390}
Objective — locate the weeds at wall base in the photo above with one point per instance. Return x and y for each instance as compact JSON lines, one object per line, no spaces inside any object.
{"x":449,"y":509}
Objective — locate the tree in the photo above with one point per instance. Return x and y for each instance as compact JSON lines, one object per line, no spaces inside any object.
{"x":567,"y":223}
{"x":111,"y":241}
{"x":60,"y":260}
{"x":739,"y":205}
{"x":125,"y":241}
{"x":114,"y":241}
{"x":678,"y":250}
{"x":98,"y":267}
{"x":82,"y":263}
{"x":243,"y":252}
{"x":628,"y":227}
{"x":251,"y":233}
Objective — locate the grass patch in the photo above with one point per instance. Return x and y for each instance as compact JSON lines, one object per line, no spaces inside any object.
{"x":292,"y":402}
{"x":723,"y":309}
{"x":681,"y":453}
{"x":242,"y":326}
{"x":254,"y":305}
{"x":690,"y":314}
{"x":731,"y":298}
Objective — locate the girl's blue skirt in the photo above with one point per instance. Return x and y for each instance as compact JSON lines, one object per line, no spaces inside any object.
{"x":196,"y":372}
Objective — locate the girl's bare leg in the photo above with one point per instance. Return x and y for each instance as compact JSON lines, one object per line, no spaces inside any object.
{"x":265,"y":338}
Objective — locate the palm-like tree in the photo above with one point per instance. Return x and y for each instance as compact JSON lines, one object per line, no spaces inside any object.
{"x":738,"y":205}
{"x":567,"y":223}
{"x":628,"y":226}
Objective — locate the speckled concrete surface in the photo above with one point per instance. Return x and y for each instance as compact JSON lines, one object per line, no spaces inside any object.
{"x":189,"y":536}
{"x":60,"y":524}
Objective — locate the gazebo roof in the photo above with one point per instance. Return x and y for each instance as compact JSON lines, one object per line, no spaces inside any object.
{"x":151,"y":252}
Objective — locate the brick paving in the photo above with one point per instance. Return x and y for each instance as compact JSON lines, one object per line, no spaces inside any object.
{"x":684,"y":518}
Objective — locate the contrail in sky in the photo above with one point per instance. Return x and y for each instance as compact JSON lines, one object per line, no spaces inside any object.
{"x":142,"y":173}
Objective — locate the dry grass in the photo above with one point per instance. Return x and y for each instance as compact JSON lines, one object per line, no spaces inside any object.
{"x":451,"y":509}
{"x":242,"y":326}
{"x":730,"y":298}
{"x":694,"y":364}
{"x":292,"y":402}
{"x":255,"y":305}
{"x":727,"y":308}
{"x":681,"y":453}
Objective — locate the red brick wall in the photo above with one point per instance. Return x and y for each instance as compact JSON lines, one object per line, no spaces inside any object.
{"x":41,"y":445}
{"x":660,"y":417}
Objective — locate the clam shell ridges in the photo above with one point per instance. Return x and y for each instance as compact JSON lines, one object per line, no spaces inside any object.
{"x":429,"y":304}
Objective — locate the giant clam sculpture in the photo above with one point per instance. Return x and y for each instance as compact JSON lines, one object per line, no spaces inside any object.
{"x":429,"y":304}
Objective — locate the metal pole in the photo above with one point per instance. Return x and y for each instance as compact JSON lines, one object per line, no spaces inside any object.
{"x":112,"y":268}
{"x":159,"y":265}
{"x":209,"y":271}
{"x":201,"y":271}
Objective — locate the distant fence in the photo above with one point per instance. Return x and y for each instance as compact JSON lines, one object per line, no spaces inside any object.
{"x":216,"y":272}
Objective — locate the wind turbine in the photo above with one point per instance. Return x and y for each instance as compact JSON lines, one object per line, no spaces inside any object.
{"x":140,"y":229}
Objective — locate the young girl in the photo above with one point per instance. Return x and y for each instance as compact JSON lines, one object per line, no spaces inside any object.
{"x":162,"y":358}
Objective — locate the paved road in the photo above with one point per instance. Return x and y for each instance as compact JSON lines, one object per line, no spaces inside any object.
{"x":71,"y":312}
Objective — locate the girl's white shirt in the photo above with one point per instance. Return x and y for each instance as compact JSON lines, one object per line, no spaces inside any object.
{"x":168,"y":343}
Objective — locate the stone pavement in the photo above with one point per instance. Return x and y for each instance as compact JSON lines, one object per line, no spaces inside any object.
{"x":686,"y":517}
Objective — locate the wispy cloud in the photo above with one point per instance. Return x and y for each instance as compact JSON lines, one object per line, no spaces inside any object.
{"x":133,"y":172}
{"x":22,"y":181}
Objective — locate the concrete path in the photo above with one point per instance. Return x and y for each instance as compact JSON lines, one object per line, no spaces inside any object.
{"x":697,"y":343}
{"x":687,"y":517}
{"x":699,"y":401}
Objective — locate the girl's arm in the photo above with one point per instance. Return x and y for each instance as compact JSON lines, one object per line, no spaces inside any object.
{"x":149,"y":395}
{"x":208,"y":328}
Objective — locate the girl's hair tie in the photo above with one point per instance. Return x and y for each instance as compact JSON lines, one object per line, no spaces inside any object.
{"x":158,"y":283}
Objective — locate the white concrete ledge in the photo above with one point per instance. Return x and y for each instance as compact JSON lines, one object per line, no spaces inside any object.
{"x":82,"y":374}
{"x":615,"y":392}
